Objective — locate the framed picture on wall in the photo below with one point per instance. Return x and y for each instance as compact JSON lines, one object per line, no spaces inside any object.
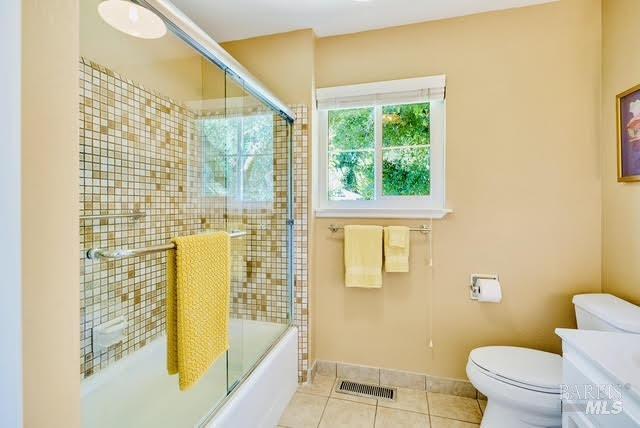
{"x":628,"y":119}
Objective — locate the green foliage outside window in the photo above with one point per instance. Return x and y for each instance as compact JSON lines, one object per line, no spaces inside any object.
{"x":405,"y":152}
{"x":351,"y":154}
{"x":238,"y":157}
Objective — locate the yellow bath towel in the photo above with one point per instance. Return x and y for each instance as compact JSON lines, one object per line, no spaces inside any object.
{"x":363,"y":256}
{"x":397,"y":241}
{"x":198,"y":286}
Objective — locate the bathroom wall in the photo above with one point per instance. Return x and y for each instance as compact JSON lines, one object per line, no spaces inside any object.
{"x":522,"y":180}
{"x":167,"y":65}
{"x":284,"y":63}
{"x":134,"y":149}
{"x":620,"y":201}
{"x":49,"y":253}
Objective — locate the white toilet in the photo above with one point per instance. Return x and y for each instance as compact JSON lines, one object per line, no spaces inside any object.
{"x":523,"y":385}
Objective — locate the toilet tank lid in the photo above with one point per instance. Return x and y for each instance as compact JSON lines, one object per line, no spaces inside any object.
{"x":613,"y":310}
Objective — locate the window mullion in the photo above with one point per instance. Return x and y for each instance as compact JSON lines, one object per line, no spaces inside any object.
{"x":378,"y":154}
{"x":239,"y":191}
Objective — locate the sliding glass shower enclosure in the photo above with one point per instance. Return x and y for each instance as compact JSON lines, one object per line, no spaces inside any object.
{"x":176,"y":138}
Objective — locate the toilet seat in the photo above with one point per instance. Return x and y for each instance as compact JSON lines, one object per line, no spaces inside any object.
{"x":520,"y":367}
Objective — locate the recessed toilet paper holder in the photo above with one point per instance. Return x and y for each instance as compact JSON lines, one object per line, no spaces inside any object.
{"x":475,"y":287}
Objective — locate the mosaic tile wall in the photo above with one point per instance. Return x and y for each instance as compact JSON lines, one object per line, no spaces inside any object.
{"x":139,"y":150}
{"x":301,"y":192}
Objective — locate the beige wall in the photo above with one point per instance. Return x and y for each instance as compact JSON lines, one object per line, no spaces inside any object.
{"x":523,"y":90}
{"x":621,"y":201}
{"x":166,"y":65}
{"x":50,"y":240}
{"x":284,"y":63}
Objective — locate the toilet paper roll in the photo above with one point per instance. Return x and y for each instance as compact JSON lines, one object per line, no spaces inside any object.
{"x":490,"y":290}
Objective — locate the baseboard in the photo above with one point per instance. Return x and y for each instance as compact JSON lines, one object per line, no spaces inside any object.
{"x":396,"y":378}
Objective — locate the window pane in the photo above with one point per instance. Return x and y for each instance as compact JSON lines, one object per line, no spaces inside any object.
{"x":351,"y":129}
{"x":351,"y":176}
{"x":405,"y":125}
{"x":221,"y":135}
{"x":219,"y":175}
{"x":257,"y":134}
{"x":258,"y":178}
{"x":405,"y":172}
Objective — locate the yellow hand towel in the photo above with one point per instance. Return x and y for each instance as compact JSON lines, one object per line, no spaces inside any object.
{"x":397,"y":241}
{"x":363,"y":256}
{"x":198,"y":286}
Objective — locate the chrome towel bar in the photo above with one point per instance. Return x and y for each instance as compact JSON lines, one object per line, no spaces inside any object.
{"x":134,"y":215}
{"x":423,"y":228}
{"x":124,"y":253}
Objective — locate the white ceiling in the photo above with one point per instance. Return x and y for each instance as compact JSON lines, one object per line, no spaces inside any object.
{"x":228,"y":20}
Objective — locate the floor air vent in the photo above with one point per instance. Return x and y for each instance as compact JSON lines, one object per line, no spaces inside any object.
{"x":368,"y":391}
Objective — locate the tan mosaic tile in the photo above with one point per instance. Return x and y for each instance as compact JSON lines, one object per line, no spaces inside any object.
{"x":142,"y":151}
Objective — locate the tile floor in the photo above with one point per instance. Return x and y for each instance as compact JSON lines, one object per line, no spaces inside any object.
{"x":317,"y":404}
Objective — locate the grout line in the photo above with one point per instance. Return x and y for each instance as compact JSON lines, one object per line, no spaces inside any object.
{"x":459,"y":420}
{"x":323,"y":410}
{"x":375,"y":415}
{"x":405,"y":410}
{"x":426,"y":394}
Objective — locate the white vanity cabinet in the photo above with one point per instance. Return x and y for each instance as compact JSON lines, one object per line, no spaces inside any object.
{"x":601,"y":379}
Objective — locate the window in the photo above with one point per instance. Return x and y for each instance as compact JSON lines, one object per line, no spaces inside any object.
{"x":238,"y":157}
{"x":381,"y":150}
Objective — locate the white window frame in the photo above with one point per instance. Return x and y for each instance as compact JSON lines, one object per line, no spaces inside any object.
{"x":368,"y":95}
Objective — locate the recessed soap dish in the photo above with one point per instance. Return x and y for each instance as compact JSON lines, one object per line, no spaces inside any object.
{"x":108,"y":334}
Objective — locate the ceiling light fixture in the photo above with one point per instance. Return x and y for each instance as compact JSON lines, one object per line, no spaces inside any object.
{"x":132,"y":19}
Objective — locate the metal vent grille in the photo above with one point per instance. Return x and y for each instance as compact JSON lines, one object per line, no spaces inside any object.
{"x":368,"y":391}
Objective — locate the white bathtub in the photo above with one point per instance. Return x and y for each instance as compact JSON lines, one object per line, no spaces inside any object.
{"x":136,"y":391}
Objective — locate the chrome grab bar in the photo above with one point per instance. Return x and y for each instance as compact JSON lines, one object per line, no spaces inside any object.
{"x":124,"y":253}
{"x":134,"y":215}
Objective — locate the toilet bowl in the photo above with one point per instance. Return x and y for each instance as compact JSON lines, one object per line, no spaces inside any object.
{"x":522,"y":386}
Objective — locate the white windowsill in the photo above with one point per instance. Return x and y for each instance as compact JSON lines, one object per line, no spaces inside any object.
{"x":433,"y":213}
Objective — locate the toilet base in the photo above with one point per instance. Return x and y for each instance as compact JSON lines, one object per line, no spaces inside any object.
{"x":497,"y":415}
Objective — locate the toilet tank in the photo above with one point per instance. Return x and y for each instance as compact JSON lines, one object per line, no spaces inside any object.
{"x":606,"y":312}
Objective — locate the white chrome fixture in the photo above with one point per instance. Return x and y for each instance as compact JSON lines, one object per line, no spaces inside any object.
{"x":134,"y":215}
{"x":108,"y":334}
{"x":125,"y":253}
{"x":525,"y":386}
{"x":132,"y":19}
{"x":475,"y":287}
{"x":423,"y":228}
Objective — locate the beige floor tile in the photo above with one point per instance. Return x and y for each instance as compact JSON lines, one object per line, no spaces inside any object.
{"x":321,"y":386}
{"x":483,"y":405}
{"x":348,"y":397}
{"x":394,"y":418}
{"x":408,"y":399}
{"x":454,"y":407}
{"x":341,"y":413}
{"x":304,"y":410}
{"x":438,"y":422}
